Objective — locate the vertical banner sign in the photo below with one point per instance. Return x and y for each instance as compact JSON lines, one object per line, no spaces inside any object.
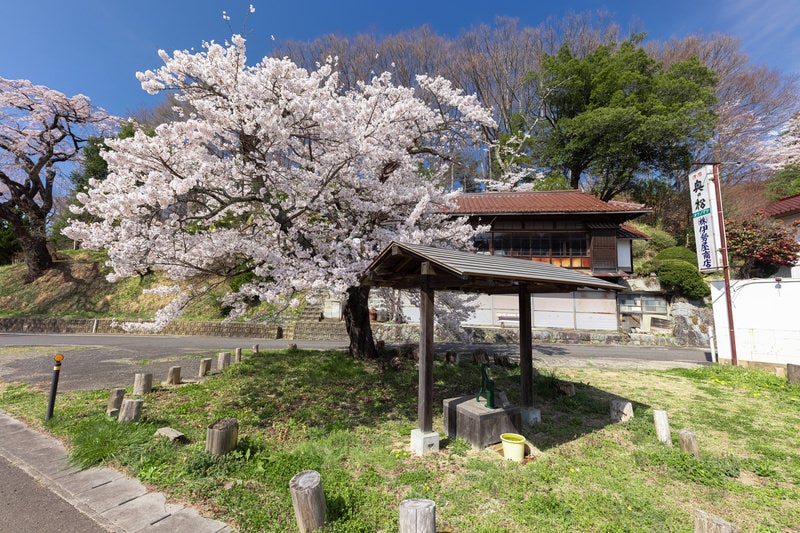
{"x":704,"y":217}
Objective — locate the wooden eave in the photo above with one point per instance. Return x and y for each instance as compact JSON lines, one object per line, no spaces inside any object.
{"x":400,"y":266}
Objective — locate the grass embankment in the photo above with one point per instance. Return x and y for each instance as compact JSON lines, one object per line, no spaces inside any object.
{"x":76,"y":287}
{"x":351,"y":421}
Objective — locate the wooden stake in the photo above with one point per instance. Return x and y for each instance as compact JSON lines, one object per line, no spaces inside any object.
{"x":114,"y":402}
{"x":174,"y":375}
{"x":142,"y":384}
{"x":417,"y":516}
{"x":205,"y":366}
{"x":793,"y":374}
{"x":223,"y":360}
{"x":222,"y":436}
{"x":130,"y":411}
{"x":308,"y":500}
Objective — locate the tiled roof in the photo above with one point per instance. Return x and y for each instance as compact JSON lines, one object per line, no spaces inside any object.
{"x":629,"y":232}
{"x":784,"y":206}
{"x":550,"y":202}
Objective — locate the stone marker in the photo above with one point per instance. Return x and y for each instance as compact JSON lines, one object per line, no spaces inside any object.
{"x":255,"y":348}
{"x":688,"y":442}
{"x":621,"y":410}
{"x":567,"y":388}
{"x":706,"y":523}
{"x":172,"y":434}
{"x":205,"y":366}
{"x":662,"y":426}
{"x":142,"y":384}
{"x":174,"y":375}
{"x":222,"y":436}
{"x":114,"y":402}
{"x":130,"y":411}
{"x":417,"y":515}
{"x":308,"y":500}
{"x":223,"y":360}
{"x":237,"y":355}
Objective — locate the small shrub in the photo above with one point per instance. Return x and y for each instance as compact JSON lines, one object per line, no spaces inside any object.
{"x":659,"y":240}
{"x":644,"y":268}
{"x":684,"y":278}
{"x":677,"y":252}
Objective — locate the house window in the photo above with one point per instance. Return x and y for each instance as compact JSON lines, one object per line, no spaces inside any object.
{"x":530,"y":244}
{"x":648,"y":304}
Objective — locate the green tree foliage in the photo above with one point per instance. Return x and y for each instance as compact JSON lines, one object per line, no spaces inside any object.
{"x":659,"y":239}
{"x":758,"y":245}
{"x":785,"y":182}
{"x":617,"y":113}
{"x":677,"y":252}
{"x":683,"y":278}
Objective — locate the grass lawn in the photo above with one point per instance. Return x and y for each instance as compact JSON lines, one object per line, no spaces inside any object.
{"x":351,"y":421}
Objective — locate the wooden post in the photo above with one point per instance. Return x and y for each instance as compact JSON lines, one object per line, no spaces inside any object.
{"x":115,"y":402}
{"x":205,"y":366}
{"x":237,"y":357}
{"x":142,"y":384}
{"x":662,"y":426}
{"x":223,"y":360}
{"x":793,"y":374}
{"x":130,"y":411}
{"x":525,"y":346}
{"x":688,"y":442}
{"x":706,"y":523}
{"x":425,"y":392}
{"x":308,"y":500}
{"x":417,"y":516}
{"x":174,"y":375}
{"x":222,"y":436}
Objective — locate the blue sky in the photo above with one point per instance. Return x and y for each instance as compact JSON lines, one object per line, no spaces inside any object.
{"x":95,"y":47}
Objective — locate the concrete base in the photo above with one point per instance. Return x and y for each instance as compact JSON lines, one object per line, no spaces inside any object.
{"x":530,"y":416}
{"x":423,"y":442}
{"x":466,"y":418}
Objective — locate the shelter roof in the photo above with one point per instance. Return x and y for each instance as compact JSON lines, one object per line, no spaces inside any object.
{"x":784,"y":206}
{"x":540,"y":202}
{"x":400,"y":266}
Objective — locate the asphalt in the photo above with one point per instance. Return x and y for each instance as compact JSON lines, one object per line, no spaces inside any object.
{"x":104,"y":496}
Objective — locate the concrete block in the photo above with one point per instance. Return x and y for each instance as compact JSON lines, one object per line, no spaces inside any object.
{"x":466,"y":418}
{"x":423,"y":442}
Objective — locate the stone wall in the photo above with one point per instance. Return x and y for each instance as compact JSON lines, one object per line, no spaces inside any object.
{"x":88,"y":326}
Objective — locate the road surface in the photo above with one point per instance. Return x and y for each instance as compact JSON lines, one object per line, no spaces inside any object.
{"x":106,"y":361}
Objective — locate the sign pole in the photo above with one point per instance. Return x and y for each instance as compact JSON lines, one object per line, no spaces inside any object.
{"x":723,"y":244}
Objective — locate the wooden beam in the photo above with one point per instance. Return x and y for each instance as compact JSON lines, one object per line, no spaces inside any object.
{"x":525,"y":346}
{"x":425,"y":392}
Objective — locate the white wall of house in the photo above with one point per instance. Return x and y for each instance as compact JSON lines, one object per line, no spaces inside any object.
{"x":624,"y":255}
{"x":765,"y":317}
{"x":583,"y":310}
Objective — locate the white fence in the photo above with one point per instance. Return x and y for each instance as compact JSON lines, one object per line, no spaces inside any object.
{"x":766,"y":319}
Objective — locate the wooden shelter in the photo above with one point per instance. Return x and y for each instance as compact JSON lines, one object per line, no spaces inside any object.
{"x":410,"y":266}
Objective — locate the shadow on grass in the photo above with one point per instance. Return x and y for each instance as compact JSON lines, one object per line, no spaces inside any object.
{"x":330,"y":391}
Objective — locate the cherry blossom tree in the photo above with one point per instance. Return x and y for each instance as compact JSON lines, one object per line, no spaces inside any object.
{"x":281,"y":173}
{"x":40,"y":130}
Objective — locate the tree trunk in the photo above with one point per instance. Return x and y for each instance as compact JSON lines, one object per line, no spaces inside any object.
{"x":32,"y":238}
{"x":356,"y":320}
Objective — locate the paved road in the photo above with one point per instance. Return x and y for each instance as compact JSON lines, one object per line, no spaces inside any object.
{"x":106,"y":361}
{"x":29,"y":507}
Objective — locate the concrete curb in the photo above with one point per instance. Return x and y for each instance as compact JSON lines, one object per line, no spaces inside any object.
{"x":106,"y":496}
